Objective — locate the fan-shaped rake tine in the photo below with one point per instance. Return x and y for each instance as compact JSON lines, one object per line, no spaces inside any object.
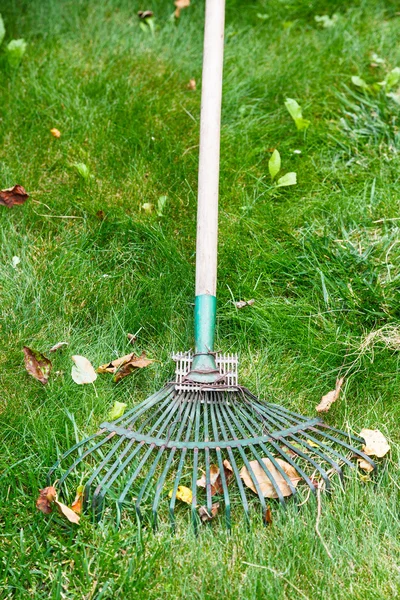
{"x":232,"y":460}
{"x":250,"y":468}
{"x":100,"y":467}
{"x":195,"y":469}
{"x":286,"y":457}
{"x":112,"y":475}
{"x":358,"y":453}
{"x":207,"y":461}
{"x":162,"y":478}
{"x":153,"y":468}
{"x":225,"y":490}
{"x":131,"y":416}
{"x":283,"y":422}
{"x":70,"y":451}
{"x":259,"y":458}
{"x":178,"y":474}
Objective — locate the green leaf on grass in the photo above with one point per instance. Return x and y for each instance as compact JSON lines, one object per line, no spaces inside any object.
{"x":117,"y":410}
{"x":295,"y":112}
{"x":288,"y":179}
{"x":83,"y":170}
{"x":161,"y":205}
{"x":358,"y":82}
{"x":15,"y":51}
{"x":391,"y":79}
{"x":2,"y":30}
{"x":274,"y":164}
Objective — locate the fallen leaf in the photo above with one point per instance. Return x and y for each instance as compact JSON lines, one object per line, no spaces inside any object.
{"x":145,"y":14}
{"x":138,"y":362}
{"x":46,"y":498}
{"x":364,"y":465}
{"x":267,"y":488}
{"x":101,"y":215}
{"x":288,"y":179}
{"x":114,"y":365}
{"x":117,"y":410}
{"x":179,"y":5}
{"x":294,"y":109}
{"x":312,"y":444}
{"x":268,"y":515}
{"x":131,"y":338}
{"x":77,"y":504}
{"x":215,"y":478}
{"x":330,"y":397}
{"x":82,"y":371}
{"x":58,"y":346}
{"x":148,"y":207}
{"x":67,"y":512}
{"x":15,"y":261}
{"x":375,"y":443}
{"x":205,"y":516}
{"x":13,"y":196}
{"x":37,"y":364}
{"x":192,"y":84}
{"x":55,"y":132}
{"x":183,"y":493}
{"x":243,"y":303}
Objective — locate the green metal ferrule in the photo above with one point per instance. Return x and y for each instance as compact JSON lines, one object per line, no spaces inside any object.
{"x":204,"y":369}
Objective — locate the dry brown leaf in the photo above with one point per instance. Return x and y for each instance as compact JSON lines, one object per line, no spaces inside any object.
{"x":375,"y":443}
{"x":205,"y":516}
{"x":54,"y":132}
{"x":138,"y":362}
{"x":215,"y":478}
{"x":145,"y":14}
{"x":192,"y":84}
{"x":179,"y":5}
{"x":114,"y":365}
{"x":330,"y":397}
{"x":37,"y":364}
{"x":364,"y":465}
{"x":243,"y":303}
{"x":265,"y":484}
{"x":77,"y":504}
{"x":131,"y":338}
{"x":13,"y":196}
{"x":268,"y":515}
{"x":46,"y":498}
{"x":58,"y":346}
{"x":67,"y":512}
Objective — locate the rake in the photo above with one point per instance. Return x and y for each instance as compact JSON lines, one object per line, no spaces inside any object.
{"x":204,"y":418}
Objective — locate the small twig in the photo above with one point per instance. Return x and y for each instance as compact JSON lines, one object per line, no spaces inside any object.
{"x":388,"y":219}
{"x":190,"y":148}
{"x":319,"y":510}
{"x":42,"y":203}
{"x":277,"y":575}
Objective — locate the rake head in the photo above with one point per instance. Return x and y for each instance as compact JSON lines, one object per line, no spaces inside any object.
{"x":185,"y":431}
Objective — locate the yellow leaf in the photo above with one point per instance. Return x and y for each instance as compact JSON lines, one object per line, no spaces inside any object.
{"x":375,"y":443}
{"x":312,"y":444}
{"x":55,"y":132}
{"x":267,"y":488}
{"x":179,"y":5}
{"x":183,"y":493}
{"x":78,"y":502}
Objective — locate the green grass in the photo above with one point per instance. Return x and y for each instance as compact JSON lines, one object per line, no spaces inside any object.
{"x":321,"y":260}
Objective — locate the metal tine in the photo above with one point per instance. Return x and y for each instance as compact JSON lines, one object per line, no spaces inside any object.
{"x":100,"y":468}
{"x":181,"y":463}
{"x":161,"y":480}
{"x":227,"y":501}
{"x":250,"y":469}
{"x":166,"y":403}
{"x":288,"y":459}
{"x":109,"y":477}
{"x":318,"y":452}
{"x":261,"y":462}
{"x":207,"y":461}
{"x":195,"y":517}
{"x":144,"y":406}
{"x":297,"y":451}
{"x":233,"y":464}
{"x":359,"y":453}
{"x":83,"y":456}
{"x":153,"y":467}
{"x":70,"y":451}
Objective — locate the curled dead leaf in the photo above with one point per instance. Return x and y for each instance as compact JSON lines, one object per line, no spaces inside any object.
{"x":191,"y":85}
{"x":179,"y":5}
{"x":58,"y":346}
{"x":46,"y":498}
{"x":330,"y":397}
{"x":215,"y":478}
{"x":77,"y":504}
{"x":264,"y":482}
{"x":13,"y":196}
{"x":37,"y":364}
{"x":243,"y":303}
{"x":138,"y":362}
{"x":268,"y":515}
{"x":375,"y":443}
{"x":364,"y":465}
{"x":145,"y":14}
{"x":205,"y":516}
{"x":131,"y":338}
{"x":55,"y":133}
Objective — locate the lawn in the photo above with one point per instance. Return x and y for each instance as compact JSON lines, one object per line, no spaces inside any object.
{"x":320,"y":258}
